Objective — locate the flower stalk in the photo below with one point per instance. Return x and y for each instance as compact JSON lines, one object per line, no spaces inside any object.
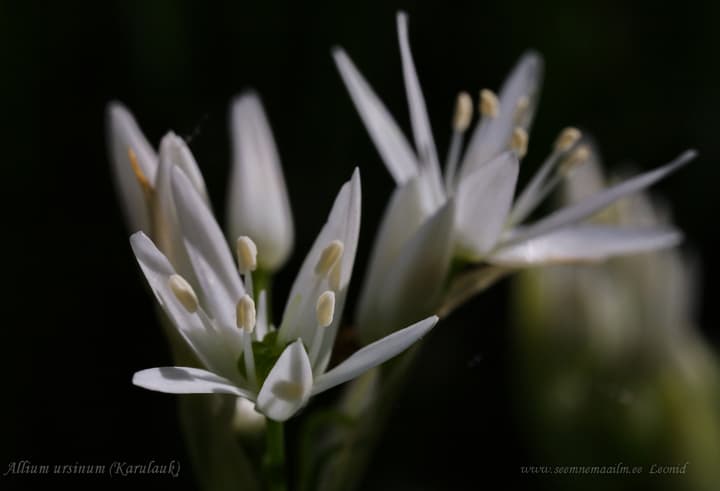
{"x":274,"y":462}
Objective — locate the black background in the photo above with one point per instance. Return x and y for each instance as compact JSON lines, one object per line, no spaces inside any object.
{"x":78,"y":321}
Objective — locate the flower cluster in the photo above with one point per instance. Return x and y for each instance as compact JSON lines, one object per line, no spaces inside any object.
{"x":242,"y":351}
{"x":447,"y":233}
{"x":470,"y":214}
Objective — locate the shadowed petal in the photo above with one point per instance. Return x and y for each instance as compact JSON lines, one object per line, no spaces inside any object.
{"x":414,"y":281}
{"x":208,"y":251}
{"x":123,"y":135}
{"x":484,"y":199}
{"x":287,"y":387}
{"x":185,"y":380}
{"x":218,"y":353}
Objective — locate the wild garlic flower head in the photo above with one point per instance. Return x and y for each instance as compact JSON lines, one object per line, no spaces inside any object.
{"x":227,"y":325}
{"x":469,"y":214}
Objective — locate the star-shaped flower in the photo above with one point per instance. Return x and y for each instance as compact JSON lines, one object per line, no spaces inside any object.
{"x":242,"y":352}
{"x":470,"y":214}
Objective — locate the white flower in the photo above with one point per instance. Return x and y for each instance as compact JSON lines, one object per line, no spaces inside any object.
{"x":470,"y":213}
{"x":278,"y":369}
{"x":143,"y":181}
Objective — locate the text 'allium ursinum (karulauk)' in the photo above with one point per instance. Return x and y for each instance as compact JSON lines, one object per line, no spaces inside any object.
{"x":470,"y":215}
{"x":227,"y":328}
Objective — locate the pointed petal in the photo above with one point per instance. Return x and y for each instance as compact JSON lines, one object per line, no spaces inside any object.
{"x":492,"y":136}
{"x":484,"y":199}
{"x":413,"y":282}
{"x":258,"y":204}
{"x":587,"y":207}
{"x":123,"y":134}
{"x":167,"y":233}
{"x":185,"y":380}
{"x":287,"y":387}
{"x":207,"y":249}
{"x":392,"y":145}
{"x":343,"y":224}
{"x":585,"y":243}
{"x":217,"y":352}
{"x":406,"y":212}
{"x":373,"y":355}
{"x":422,"y":132}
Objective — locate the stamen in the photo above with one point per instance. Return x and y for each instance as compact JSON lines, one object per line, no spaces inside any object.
{"x":325,"y":308}
{"x":245,"y":314}
{"x":567,"y":138}
{"x":463,"y":112}
{"x":542,"y":189}
{"x":578,"y":157}
{"x":329,"y":256}
{"x":519,"y":141}
{"x":139,"y":174}
{"x":184,"y":293}
{"x":246,"y":254}
{"x":489,"y":103}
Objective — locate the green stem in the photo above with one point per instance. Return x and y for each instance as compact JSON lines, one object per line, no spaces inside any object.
{"x":275,"y":456}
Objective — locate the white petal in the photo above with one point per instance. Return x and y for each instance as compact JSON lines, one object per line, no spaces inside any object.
{"x":578,"y":212}
{"x":585,"y":243}
{"x":123,"y":134}
{"x":287,"y":387}
{"x":412,"y":283}
{"x":492,"y":136}
{"x":218,"y":353}
{"x":343,"y":224}
{"x":185,"y":380}
{"x":258,"y":204}
{"x":422,"y":132}
{"x":406,"y":211}
{"x":484,"y":199}
{"x":166,"y":228}
{"x":208,"y":251}
{"x":373,"y":354}
{"x":392,"y":145}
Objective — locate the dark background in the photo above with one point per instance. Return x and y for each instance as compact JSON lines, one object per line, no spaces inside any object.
{"x":78,"y":321}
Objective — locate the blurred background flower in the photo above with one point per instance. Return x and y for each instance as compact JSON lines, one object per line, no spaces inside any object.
{"x":640,"y":78}
{"x":610,"y":365}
